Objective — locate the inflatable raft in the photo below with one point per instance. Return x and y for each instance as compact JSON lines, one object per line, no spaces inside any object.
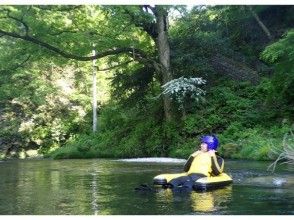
{"x":202,"y":171}
{"x":202,"y":183}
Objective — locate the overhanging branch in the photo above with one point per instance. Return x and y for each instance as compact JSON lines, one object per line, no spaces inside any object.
{"x":135,"y":53}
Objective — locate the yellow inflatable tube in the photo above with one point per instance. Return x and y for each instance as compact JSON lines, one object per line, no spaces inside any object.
{"x":164,"y":179}
{"x":203,"y":183}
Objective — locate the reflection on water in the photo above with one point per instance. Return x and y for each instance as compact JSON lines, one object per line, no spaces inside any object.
{"x":200,"y":202}
{"x":94,"y":194}
{"x":103,"y":187}
{"x":212,"y":200}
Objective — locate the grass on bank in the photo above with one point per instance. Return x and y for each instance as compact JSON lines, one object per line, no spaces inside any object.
{"x":254,"y":144}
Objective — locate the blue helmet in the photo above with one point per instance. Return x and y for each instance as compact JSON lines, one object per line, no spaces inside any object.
{"x":211,"y":141}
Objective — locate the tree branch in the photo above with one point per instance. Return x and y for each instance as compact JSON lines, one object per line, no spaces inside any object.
{"x":22,"y":63}
{"x":18,"y":65}
{"x":26,"y":27}
{"x":148,"y":26}
{"x":261,"y":24}
{"x":149,"y":7}
{"x":136,"y":53}
{"x":62,"y":32}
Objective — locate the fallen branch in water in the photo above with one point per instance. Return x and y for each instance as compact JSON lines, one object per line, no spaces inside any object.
{"x":287,"y":154}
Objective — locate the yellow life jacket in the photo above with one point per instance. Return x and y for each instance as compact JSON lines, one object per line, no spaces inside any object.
{"x":201,"y":163}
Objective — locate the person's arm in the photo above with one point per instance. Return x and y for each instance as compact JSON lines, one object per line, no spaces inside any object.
{"x":217,"y":164}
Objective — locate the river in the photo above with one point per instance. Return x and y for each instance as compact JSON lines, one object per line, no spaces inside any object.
{"x":106,"y":187}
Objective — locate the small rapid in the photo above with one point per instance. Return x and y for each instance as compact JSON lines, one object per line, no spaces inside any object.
{"x":154,"y":160}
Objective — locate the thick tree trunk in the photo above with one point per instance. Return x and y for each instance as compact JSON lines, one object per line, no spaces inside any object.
{"x":164,"y":54}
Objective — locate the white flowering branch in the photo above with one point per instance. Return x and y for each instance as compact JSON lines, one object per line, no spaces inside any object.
{"x":181,"y":88}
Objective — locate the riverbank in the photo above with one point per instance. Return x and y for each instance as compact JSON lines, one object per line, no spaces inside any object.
{"x":250,"y":144}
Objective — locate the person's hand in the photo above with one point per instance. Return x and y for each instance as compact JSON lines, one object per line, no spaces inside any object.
{"x":211,"y":152}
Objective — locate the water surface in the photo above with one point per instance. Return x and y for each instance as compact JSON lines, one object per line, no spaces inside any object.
{"x":103,"y":187}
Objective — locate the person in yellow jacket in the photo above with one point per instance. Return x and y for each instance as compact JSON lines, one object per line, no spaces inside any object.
{"x":202,"y":163}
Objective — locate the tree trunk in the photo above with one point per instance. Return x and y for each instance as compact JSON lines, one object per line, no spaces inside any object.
{"x":94,"y":94}
{"x":164,"y":55}
{"x":260,"y":23}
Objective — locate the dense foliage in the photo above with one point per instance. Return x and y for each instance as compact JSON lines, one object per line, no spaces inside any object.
{"x":244,"y":55}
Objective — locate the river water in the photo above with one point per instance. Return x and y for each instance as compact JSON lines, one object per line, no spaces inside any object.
{"x":106,"y":187}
